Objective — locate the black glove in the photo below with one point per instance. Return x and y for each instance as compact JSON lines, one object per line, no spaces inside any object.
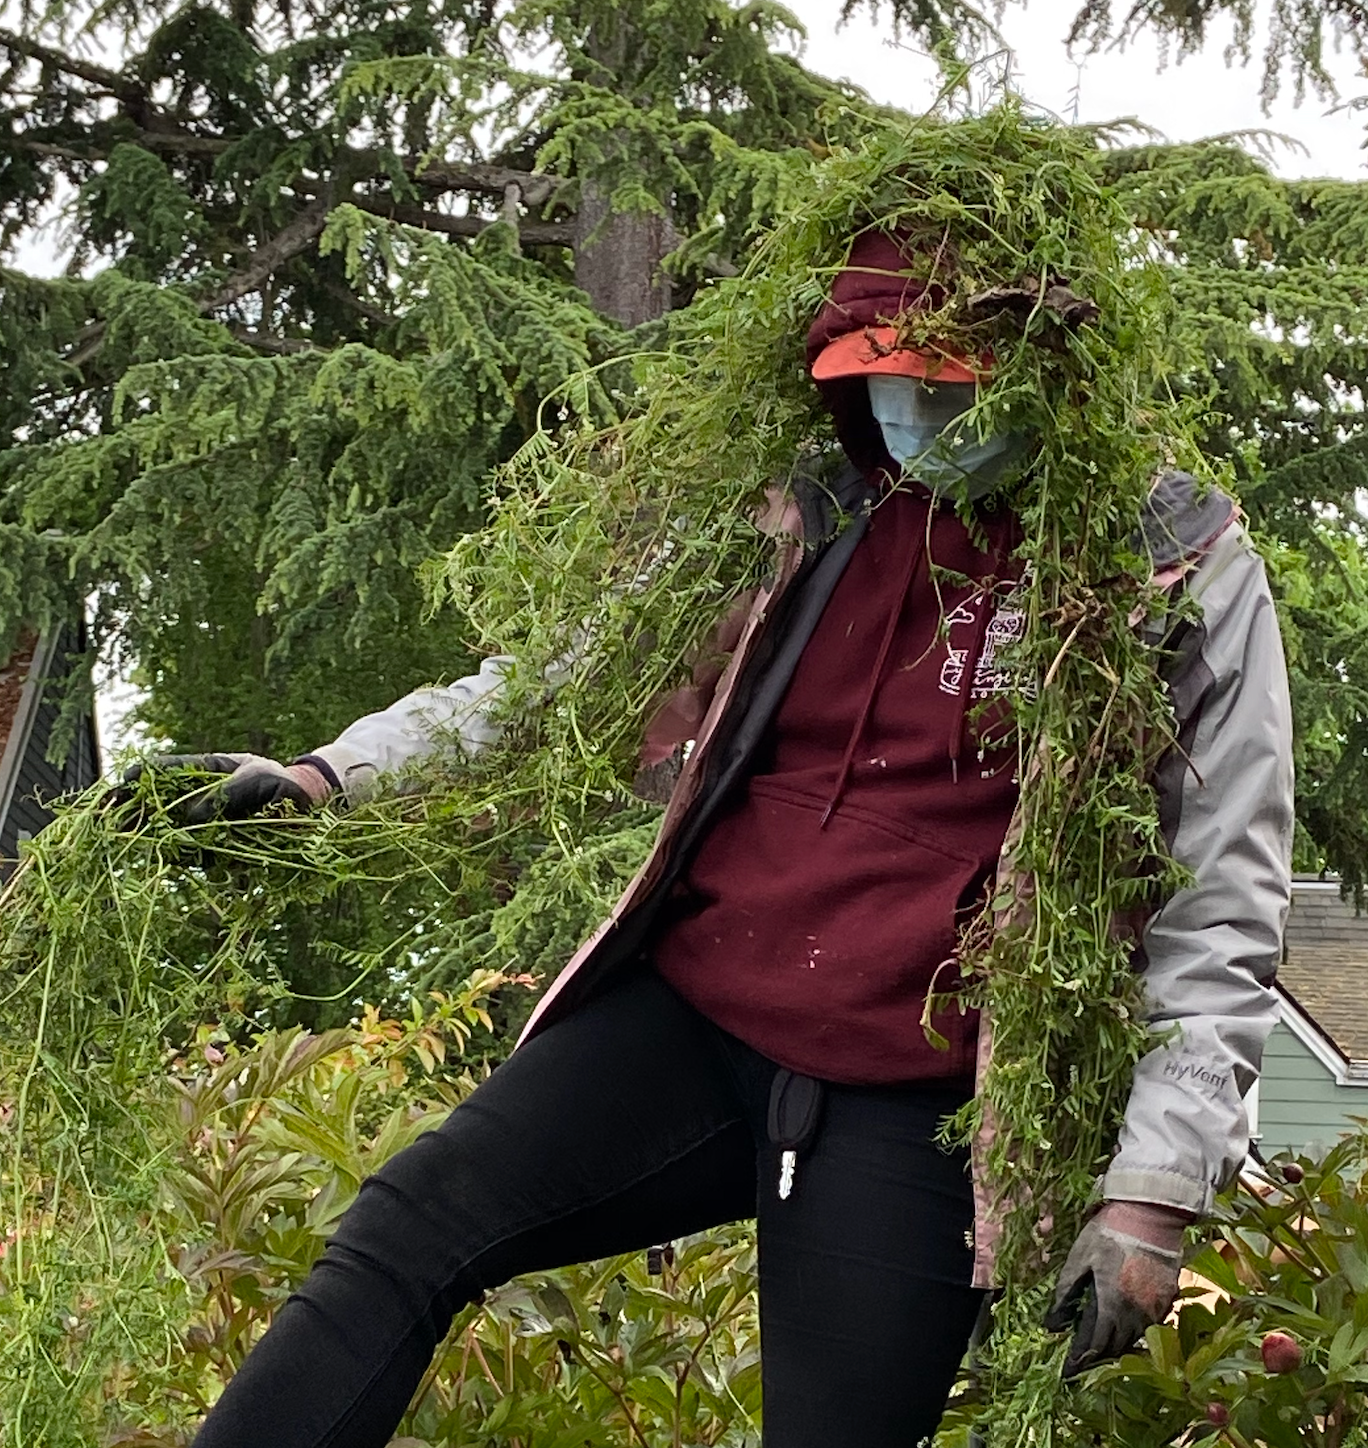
{"x":1120,"y":1277}
{"x":250,"y":785}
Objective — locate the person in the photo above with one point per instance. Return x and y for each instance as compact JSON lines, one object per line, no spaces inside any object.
{"x":743,"y":1037}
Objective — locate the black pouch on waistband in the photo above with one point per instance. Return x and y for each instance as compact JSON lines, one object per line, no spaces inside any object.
{"x":795,"y":1112}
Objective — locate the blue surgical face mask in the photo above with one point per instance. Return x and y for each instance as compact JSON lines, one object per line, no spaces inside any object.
{"x":918,"y":420}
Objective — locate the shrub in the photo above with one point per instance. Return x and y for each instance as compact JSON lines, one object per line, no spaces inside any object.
{"x":1277,"y":1354}
{"x":266,"y":1144}
{"x":265,"y":1147}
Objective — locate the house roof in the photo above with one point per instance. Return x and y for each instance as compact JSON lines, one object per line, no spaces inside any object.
{"x":13,"y":676}
{"x":1325,"y":965}
{"x":21,"y":681}
{"x":29,"y":714}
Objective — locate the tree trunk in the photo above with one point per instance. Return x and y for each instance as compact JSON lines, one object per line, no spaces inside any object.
{"x":617,"y":259}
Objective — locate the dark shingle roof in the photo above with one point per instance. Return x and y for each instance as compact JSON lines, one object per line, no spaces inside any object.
{"x":1325,"y":964}
{"x":13,"y":676}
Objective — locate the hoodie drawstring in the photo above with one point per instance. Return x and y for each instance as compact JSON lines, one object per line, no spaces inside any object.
{"x":862,"y":718}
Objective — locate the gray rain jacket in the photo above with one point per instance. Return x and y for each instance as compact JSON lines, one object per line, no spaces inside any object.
{"x":1209,"y":953}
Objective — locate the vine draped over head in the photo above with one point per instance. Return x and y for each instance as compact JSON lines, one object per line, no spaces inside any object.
{"x":610,"y":555}
{"x":637,"y":537}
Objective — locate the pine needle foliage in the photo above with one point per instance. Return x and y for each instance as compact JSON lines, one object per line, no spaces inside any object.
{"x":1270,"y":345}
{"x":1297,"y":35}
{"x":322,"y":269}
{"x":252,"y":524}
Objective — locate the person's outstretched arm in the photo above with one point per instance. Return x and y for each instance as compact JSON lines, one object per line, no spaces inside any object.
{"x":412,"y":728}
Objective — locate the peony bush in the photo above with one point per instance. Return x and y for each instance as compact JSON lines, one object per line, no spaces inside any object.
{"x":267,"y":1141}
{"x":1269,"y":1348}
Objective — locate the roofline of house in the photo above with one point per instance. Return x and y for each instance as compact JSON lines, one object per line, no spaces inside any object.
{"x":1346,"y":1071}
{"x":17,"y":741}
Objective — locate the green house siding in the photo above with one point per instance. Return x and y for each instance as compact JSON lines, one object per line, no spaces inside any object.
{"x":1300,"y":1107}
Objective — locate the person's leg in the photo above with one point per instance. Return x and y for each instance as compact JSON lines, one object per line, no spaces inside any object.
{"x":617,"y":1128}
{"x":865,"y":1303}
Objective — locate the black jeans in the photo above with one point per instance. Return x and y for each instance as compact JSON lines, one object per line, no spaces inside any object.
{"x":632,"y":1122}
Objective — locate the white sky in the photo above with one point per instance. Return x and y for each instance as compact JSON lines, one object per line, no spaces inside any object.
{"x":1200,"y":97}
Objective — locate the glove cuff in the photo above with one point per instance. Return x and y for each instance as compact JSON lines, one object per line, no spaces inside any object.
{"x":315,"y":761}
{"x":1156,"y":1227}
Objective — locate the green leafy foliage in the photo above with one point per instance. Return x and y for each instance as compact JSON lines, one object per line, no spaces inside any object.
{"x":248,"y":1156}
{"x":1295,"y":33}
{"x":123,"y":1327}
{"x":1289,"y":1258}
{"x":253,"y":524}
{"x":260,"y":1147}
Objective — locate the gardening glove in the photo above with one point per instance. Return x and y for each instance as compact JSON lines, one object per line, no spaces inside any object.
{"x":251,"y":783}
{"x":1120,"y":1277}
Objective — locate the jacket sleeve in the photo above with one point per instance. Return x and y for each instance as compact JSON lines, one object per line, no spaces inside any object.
{"x":415,"y":726}
{"x":1210,"y":953}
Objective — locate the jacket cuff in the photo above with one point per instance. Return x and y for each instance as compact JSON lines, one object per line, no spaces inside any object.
{"x":1162,"y":1188}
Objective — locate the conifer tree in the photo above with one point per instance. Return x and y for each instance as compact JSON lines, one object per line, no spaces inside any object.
{"x":1297,"y":37}
{"x":1270,"y":281}
{"x":323,"y":270}
{"x":325,"y":264}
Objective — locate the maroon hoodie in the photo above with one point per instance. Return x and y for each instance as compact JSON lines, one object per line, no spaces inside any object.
{"x":822,"y":907}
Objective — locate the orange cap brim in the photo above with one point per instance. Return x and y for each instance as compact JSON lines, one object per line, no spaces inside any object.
{"x":873,"y":352}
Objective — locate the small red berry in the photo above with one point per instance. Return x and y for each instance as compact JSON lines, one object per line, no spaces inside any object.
{"x":1292,"y":1173}
{"x":1217,"y":1414}
{"x":1280,"y":1353}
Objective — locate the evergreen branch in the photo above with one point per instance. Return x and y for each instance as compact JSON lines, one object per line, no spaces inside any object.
{"x":178,"y":142}
{"x":118,"y":85}
{"x":278,"y":346}
{"x":93,"y":335}
{"x":530,"y":233}
{"x":371,"y":313}
{"x":51,"y":151}
{"x":535,"y":188}
{"x":181,"y":142}
{"x":298,"y":236}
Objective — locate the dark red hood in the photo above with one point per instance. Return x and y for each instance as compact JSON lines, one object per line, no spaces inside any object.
{"x":871,"y":289}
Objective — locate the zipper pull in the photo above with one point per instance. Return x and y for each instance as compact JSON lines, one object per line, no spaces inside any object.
{"x":788,"y":1165}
